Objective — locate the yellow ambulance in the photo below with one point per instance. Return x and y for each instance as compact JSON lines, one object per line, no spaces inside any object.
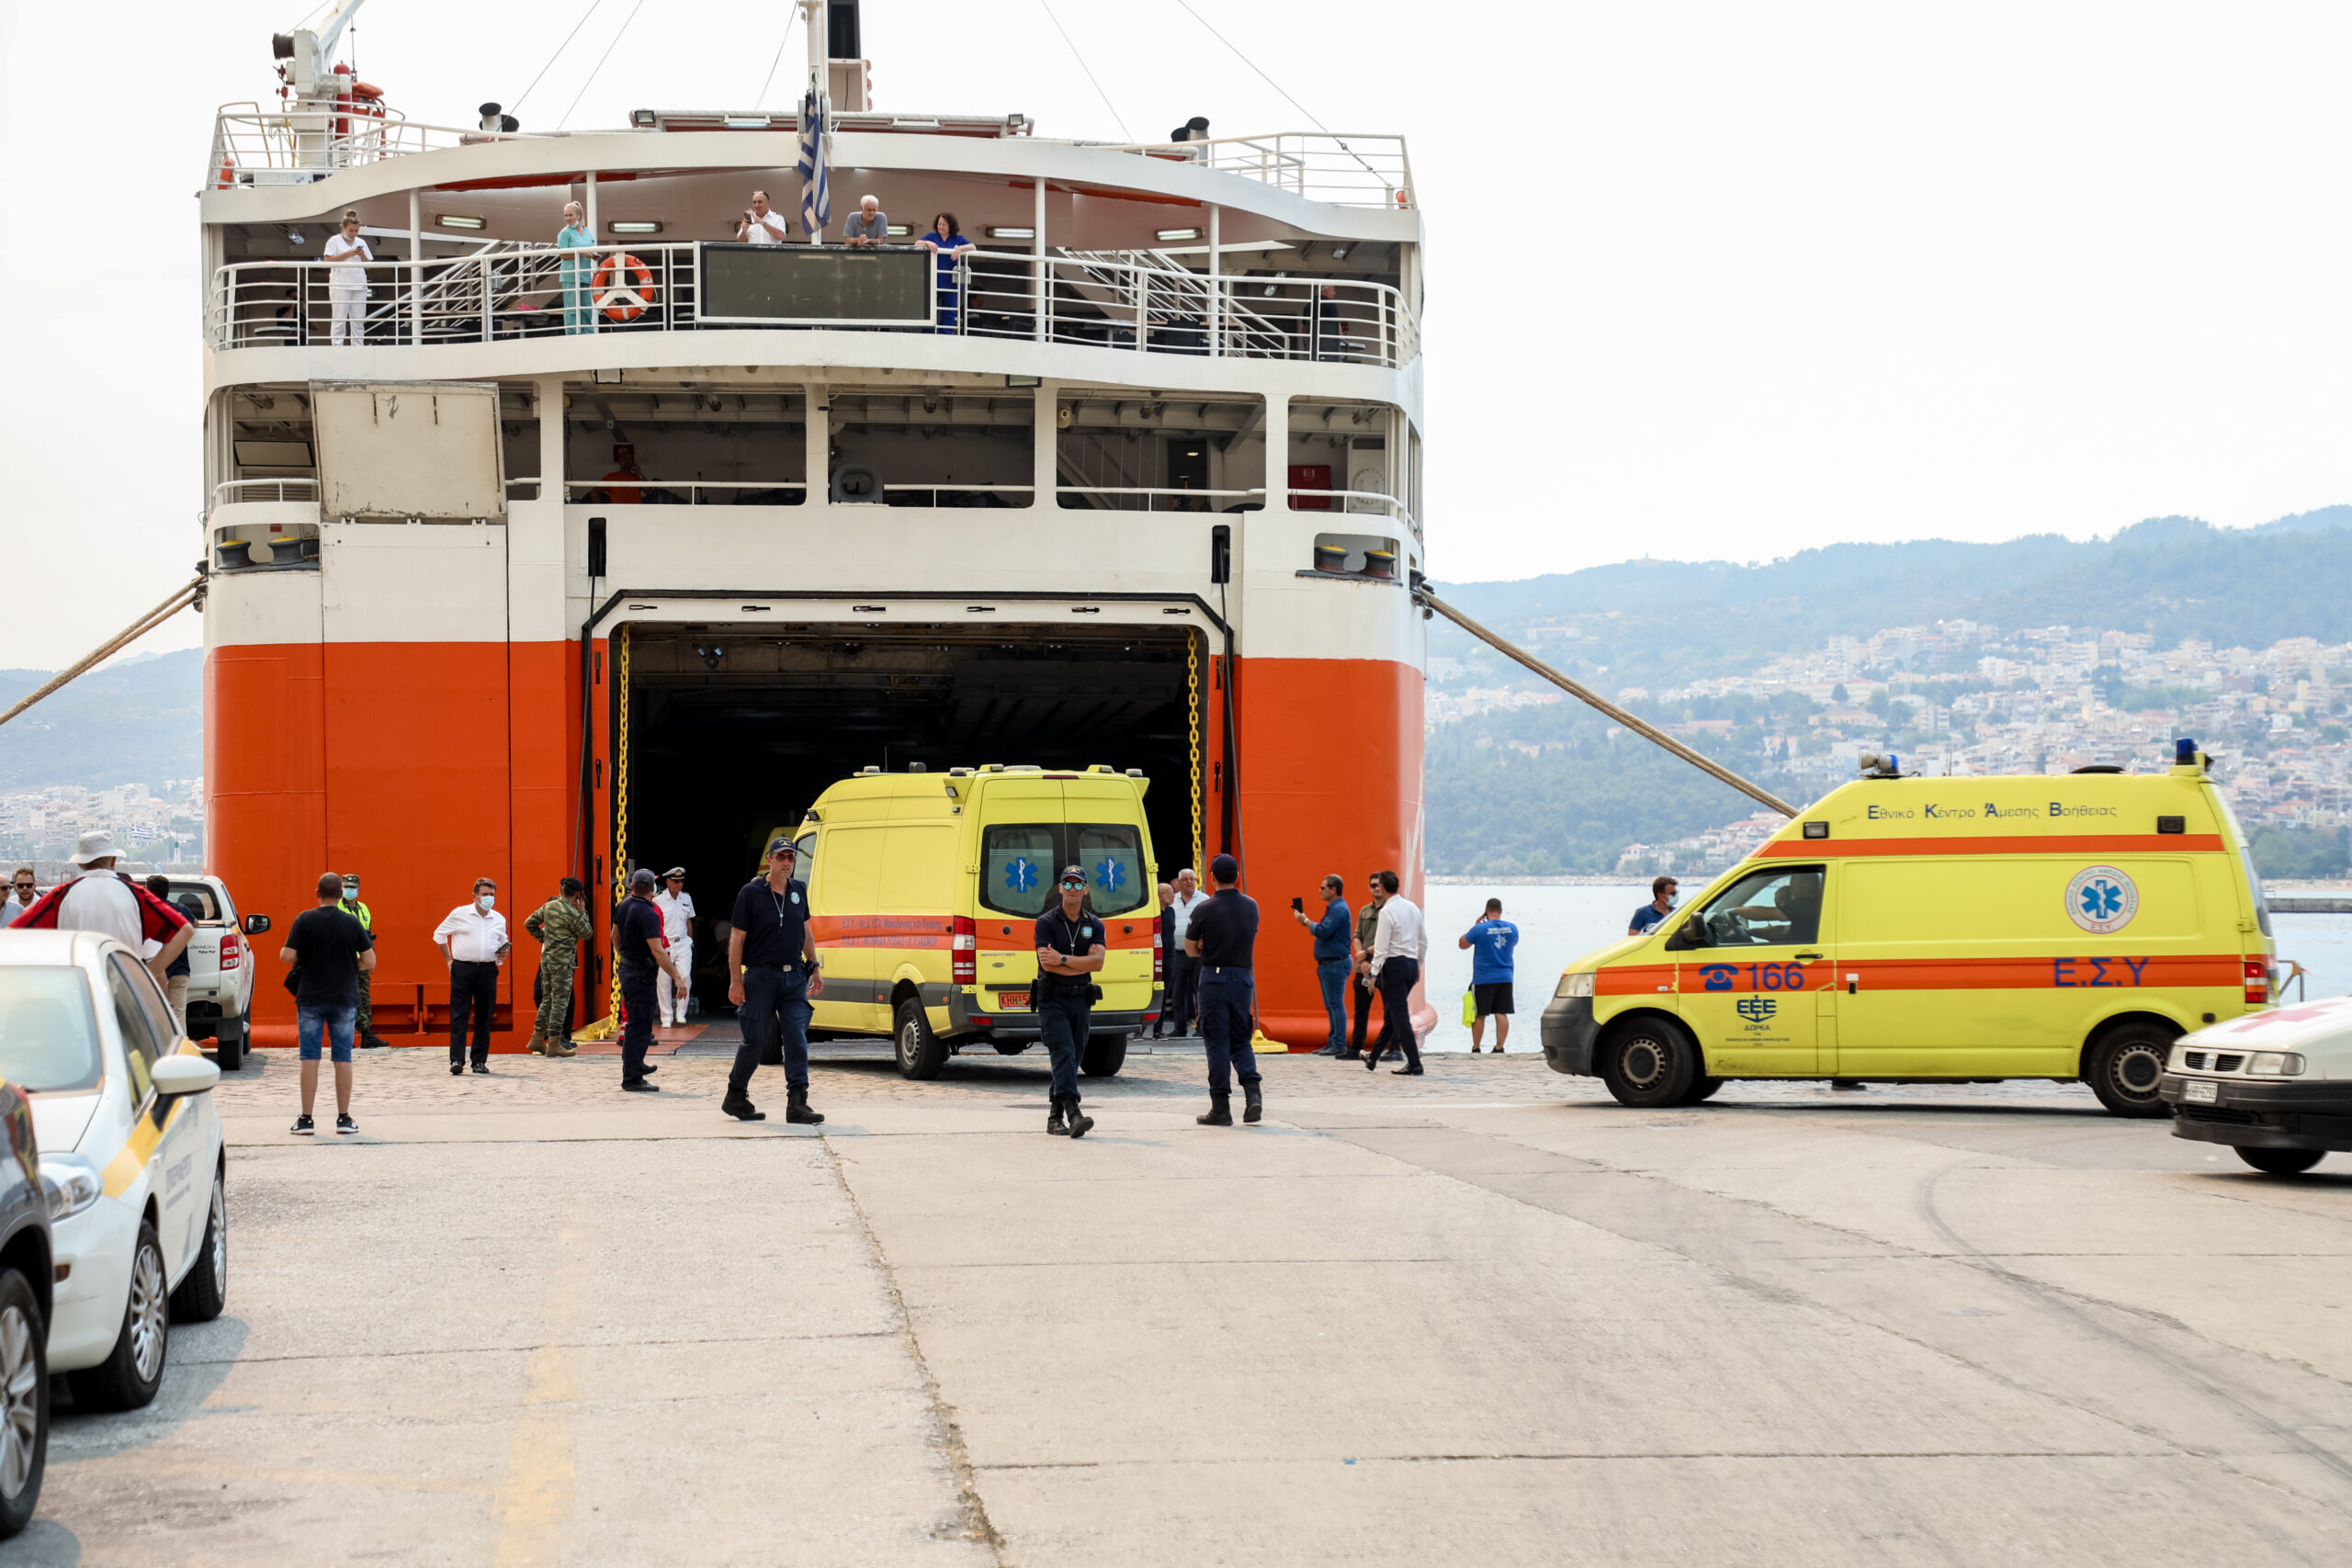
{"x":925,"y":891}
{"x":1925,"y":930}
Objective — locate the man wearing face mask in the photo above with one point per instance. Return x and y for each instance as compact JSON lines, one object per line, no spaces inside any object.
{"x":364,"y":1026}
{"x":473,"y":939}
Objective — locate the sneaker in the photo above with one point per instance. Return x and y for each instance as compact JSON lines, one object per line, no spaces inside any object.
{"x":304,"y":1126}
{"x":343,"y":1124}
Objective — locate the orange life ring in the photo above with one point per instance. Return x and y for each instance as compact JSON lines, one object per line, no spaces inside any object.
{"x":622,"y":303}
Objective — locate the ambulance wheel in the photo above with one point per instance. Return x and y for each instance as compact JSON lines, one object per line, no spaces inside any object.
{"x":1648,"y":1062}
{"x":922,"y":1054}
{"x":2126,"y":1066}
{"x":2280,"y":1162}
{"x":1701,"y":1089}
{"x":1103,"y":1056}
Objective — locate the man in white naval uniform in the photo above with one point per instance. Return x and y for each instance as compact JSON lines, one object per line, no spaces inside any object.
{"x":677,"y":907}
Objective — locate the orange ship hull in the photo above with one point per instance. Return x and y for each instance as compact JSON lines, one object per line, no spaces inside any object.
{"x":424,"y":766}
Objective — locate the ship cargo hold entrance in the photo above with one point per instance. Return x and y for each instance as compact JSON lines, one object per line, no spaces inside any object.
{"x":717,"y":733}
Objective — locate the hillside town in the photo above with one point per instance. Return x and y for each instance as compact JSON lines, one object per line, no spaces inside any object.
{"x":162,"y":827}
{"x":1961,"y":697}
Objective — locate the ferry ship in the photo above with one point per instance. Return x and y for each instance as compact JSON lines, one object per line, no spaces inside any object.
{"x":528,"y":561}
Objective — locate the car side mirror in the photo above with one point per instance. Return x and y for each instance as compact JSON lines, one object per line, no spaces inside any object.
{"x":185,"y":1075}
{"x":256,"y":924}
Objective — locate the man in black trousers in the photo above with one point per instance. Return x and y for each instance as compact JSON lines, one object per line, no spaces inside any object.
{"x":1222,"y":937}
{"x":639,"y":952}
{"x":770,"y":976}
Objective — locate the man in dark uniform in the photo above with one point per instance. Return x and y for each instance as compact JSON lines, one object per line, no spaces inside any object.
{"x":770,"y":976}
{"x":639,"y":953}
{"x":1070,"y":954}
{"x":1221,"y":937}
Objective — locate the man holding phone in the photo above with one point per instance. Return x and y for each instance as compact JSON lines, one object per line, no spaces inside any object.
{"x":1333,"y":962}
{"x":760,"y":226}
{"x":472,"y":939}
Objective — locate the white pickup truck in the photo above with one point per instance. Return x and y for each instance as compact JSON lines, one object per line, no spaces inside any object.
{"x":219,"y":968}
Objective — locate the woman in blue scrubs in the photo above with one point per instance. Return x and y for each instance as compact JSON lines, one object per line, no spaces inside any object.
{"x":944,"y":241}
{"x":574,"y":239}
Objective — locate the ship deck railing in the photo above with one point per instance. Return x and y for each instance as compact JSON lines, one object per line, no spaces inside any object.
{"x":504,"y":292}
{"x":256,"y":145}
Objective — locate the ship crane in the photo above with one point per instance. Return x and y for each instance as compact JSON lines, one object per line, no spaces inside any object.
{"x":312,"y":54}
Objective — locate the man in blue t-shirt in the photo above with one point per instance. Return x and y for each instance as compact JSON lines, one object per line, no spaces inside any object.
{"x":1491,"y":942}
{"x":1661,"y":904}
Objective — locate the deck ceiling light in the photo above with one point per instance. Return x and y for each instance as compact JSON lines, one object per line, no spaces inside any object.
{"x":636,"y":226}
{"x":1177,"y":234}
{"x":458,"y":220}
{"x":998,"y":232}
{"x":641,"y":119}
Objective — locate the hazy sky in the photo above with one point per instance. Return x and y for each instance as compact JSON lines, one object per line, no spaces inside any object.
{"x":1705,"y":280}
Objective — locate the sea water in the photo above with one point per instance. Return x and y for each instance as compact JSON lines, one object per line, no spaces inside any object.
{"x":1558,"y":924}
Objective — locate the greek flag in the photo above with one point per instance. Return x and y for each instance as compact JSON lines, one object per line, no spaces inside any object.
{"x":816,"y":200}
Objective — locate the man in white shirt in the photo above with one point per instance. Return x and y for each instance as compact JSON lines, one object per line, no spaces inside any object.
{"x":100,"y":899}
{"x":347,"y":283}
{"x":472,"y":937}
{"x":677,"y":907}
{"x":1398,"y":945}
{"x":761,"y":226}
{"x":1182,"y":972}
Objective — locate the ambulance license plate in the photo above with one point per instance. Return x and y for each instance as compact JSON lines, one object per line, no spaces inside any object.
{"x":2198,"y":1092}
{"x":1016,"y":1001}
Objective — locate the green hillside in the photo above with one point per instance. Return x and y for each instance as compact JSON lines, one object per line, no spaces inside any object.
{"x":140,"y":721}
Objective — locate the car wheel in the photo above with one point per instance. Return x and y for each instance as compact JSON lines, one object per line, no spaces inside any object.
{"x":206,"y":1290}
{"x":230,"y":1051}
{"x":922,"y":1054}
{"x":1701,"y":1089}
{"x":133,"y":1370}
{"x":24,"y":1401}
{"x":1648,"y":1062}
{"x":2127,"y":1064}
{"x":2280,"y":1162}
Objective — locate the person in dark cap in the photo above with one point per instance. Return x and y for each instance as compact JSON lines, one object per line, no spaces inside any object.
{"x":771,"y":976}
{"x":1070,"y":954}
{"x":639,"y":953}
{"x":1222,"y":937}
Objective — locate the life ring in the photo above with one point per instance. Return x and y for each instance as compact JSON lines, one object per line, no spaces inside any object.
{"x":621,"y":302}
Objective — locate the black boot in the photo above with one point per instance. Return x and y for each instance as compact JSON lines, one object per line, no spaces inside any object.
{"x":1080,"y":1123}
{"x":740,"y":1107}
{"x":796,"y":1108}
{"x":1220,"y":1111}
{"x":1253,"y":1104}
{"x":1054,"y":1123}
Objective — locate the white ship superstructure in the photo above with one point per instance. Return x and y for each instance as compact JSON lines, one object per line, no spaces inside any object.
{"x":563,"y":560}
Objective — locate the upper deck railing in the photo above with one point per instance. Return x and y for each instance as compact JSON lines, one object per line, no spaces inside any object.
{"x":1128,"y":300}
{"x":257,"y":145}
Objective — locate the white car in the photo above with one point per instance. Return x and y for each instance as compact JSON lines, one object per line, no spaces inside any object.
{"x":2274,"y":1085}
{"x":220,"y":967}
{"x":130,"y":1156}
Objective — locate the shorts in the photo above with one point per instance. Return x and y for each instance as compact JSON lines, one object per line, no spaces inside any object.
{"x":1492,"y":997}
{"x":334,"y":1022}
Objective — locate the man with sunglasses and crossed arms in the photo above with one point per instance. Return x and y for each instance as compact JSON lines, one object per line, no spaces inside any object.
{"x":1070,"y":954}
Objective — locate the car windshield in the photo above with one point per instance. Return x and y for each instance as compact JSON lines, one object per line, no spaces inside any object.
{"x":49,"y":1039}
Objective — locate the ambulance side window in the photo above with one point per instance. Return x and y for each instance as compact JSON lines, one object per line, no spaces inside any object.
{"x":1776,"y":908}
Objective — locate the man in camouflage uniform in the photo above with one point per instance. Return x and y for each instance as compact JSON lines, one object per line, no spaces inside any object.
{"x":362,"y":1026}
{"x":561,"y":924}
